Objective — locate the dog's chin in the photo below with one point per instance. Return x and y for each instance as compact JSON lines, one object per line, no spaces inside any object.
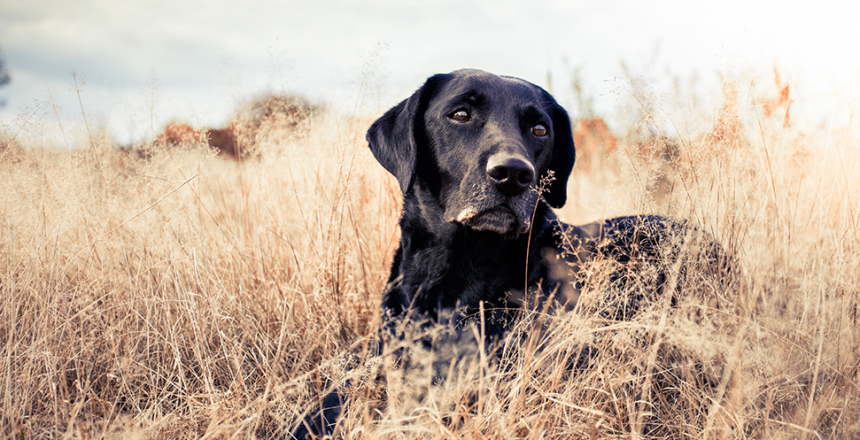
{"x":500,"y":220}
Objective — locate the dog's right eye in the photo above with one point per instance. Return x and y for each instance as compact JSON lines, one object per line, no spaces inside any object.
{"x":461,"y":115}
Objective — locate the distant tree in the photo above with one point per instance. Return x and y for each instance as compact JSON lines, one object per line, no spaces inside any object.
{"x":4,"y":76}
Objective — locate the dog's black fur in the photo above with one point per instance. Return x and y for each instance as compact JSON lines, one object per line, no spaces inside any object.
{"x":470,"y":150}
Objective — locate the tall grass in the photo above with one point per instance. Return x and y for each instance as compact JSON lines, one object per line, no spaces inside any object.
{"x":187,"y":296}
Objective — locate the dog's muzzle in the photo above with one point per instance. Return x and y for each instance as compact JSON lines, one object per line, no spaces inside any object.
{"x":514,"y":217}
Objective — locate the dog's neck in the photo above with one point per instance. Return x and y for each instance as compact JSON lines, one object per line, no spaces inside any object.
{"x":442,"y":265}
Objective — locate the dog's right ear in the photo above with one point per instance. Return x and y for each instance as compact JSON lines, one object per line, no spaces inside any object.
{"x":397,"y":137}
{"x":563,"y":154}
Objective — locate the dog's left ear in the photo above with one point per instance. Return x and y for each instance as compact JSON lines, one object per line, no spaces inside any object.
{"x":563,"y":154}
{"x":397,"y":137}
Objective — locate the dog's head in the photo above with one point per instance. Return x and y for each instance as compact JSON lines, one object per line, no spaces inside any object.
{"x":480,"y":144}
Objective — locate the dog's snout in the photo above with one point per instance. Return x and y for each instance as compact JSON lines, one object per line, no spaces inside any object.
{"x":510,"y":172}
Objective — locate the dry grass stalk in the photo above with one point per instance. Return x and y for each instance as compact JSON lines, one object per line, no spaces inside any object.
{"x":224,"y":308}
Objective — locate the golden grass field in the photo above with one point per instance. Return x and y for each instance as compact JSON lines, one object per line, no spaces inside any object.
{"x":184,"y":295}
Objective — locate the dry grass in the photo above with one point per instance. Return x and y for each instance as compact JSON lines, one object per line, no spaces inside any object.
{"x":186,"y":296}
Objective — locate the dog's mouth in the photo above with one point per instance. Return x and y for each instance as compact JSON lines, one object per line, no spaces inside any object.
{"x":498,"y":219}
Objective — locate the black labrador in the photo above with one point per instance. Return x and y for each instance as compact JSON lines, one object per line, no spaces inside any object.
{"x":481,"y":160}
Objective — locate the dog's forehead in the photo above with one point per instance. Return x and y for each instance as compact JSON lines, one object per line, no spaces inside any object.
{"x":483,"y":87}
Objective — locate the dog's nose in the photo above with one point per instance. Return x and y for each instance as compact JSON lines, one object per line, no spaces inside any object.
{"x":510,"y":172}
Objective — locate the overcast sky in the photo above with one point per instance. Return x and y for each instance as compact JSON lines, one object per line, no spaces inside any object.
{"x":145,"y":63}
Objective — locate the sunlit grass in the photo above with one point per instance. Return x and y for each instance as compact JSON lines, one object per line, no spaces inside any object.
{"x":189,"y":296}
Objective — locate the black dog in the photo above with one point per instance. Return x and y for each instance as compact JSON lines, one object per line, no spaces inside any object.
{"x":472,"y":152}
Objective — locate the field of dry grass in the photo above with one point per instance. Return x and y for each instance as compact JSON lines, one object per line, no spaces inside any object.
{"x":188,"y":296}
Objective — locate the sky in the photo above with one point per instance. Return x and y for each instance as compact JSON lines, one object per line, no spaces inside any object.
{"x":140,"y":64}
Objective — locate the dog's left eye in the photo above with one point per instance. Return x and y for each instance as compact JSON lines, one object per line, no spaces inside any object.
{"x":539,"y":130}
{"x":461,"y":115}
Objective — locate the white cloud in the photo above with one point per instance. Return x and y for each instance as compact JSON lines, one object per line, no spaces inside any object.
{"x":208,"y":54}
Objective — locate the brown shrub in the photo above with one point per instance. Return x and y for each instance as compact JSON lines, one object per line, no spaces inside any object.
{"x":728,"y":123}
{"x":10,"y":151}
{"x":594,"y":142}
{"x":260,"y":120}
{"x":236,"y":141}
{"x":253,"y":122}
{"x":780,"y":102}
{"x":176,"y":133}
